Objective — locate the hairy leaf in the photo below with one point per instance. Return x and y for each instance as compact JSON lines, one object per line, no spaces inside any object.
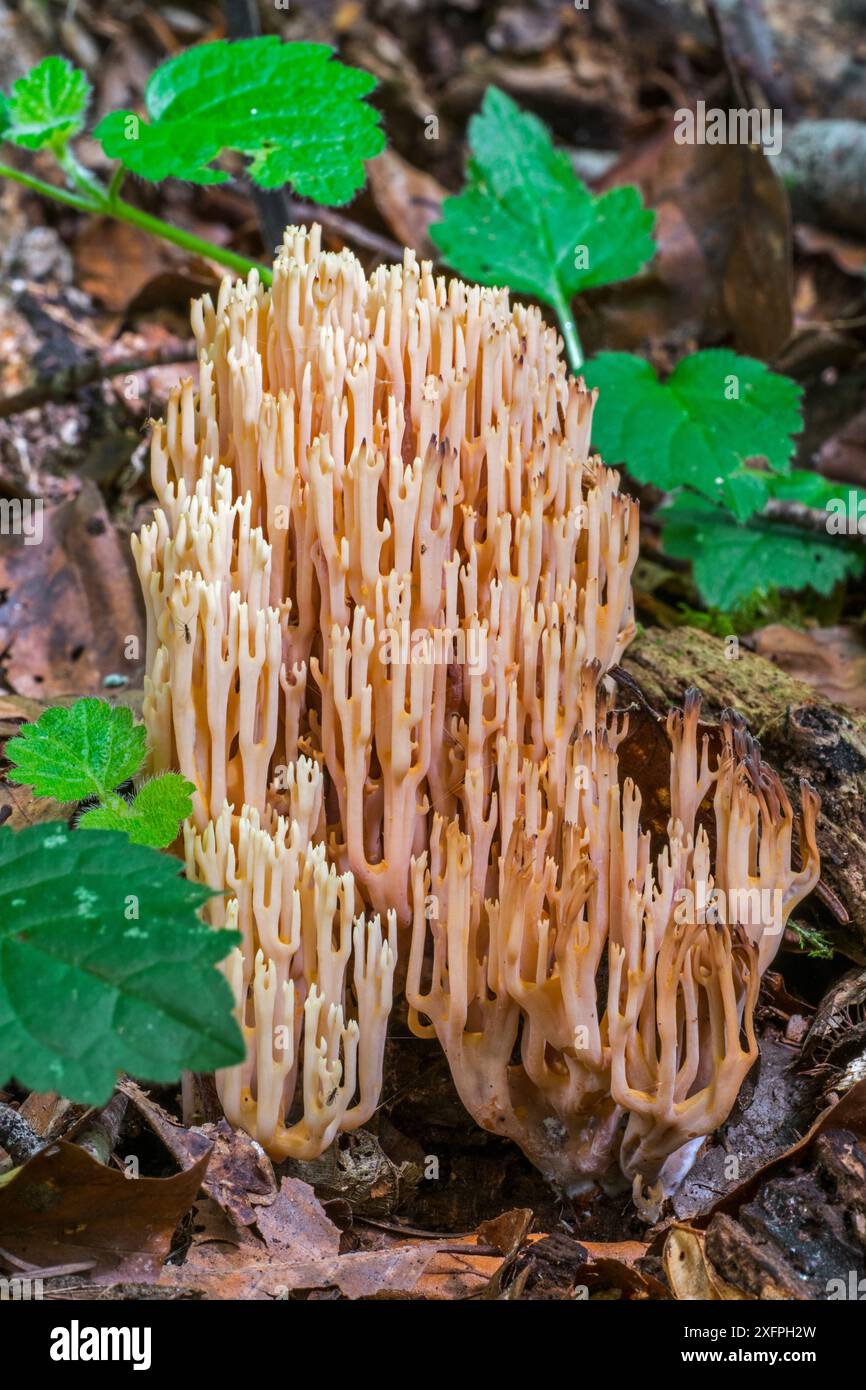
{"x":46,"y":104}
{"x":524,"y":218}
{"x":714,"y":412}
{"x":104,"y":965}
{"x":152,"y":817}
{"x":732,"y":562}
{"x":82,"y":751}
{"x":293,"y":109}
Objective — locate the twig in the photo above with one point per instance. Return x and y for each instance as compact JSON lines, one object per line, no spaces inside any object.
{"x":28,"y":1270}
{"x":17,"y":1137}
{"x":344,"y":227}
{"x":799,"y":515}
{"x":102,"y":1133}
{"x":65,"y":384}
{"x":748,"y":50}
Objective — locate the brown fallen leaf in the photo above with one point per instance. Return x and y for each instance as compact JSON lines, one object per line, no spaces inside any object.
{"x":239,"y":1169}
{"x":558,"y":1266}
{"x":20,"y":808}
{"x":356,"y":1170}
{"x":407,"y":198}
{"x":123,"y":267}
{"x":723,"y":260}
{"x":830,"y":659}
{"x":689,"y":1272}
{"x":299,"y":1249}
{"x":64,"y":1207}
{"x":843,"y":455}
{"x":458,"y":1274}
{"x":838,"y":1031}
{"x":16,"y":710}
{"x":70,"y":604}
{"x":49,"y":1114}
{"x":848,"y":255}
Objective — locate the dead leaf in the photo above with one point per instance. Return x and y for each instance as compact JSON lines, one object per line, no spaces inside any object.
{"x":70,"y":603}
{"x":239,"y":1169}
{"x":452,"y":1275}
{"x":16,"y":710}
{"x":21,"y":808}
{"x":125,"y":268}
{"x":848,"y":255}
{"x":843,"y":454}
{"x":838,"y":1030}
{"x":47,"y":1113}
{"x":407,"y":198}
{"x":64,"y":1207}
{"x":723,"y":261}
{"x":558,"y":1266}
{"x":299,"y":1250}
{"x":506,"y":1232}
{"x":689,"y":1272}
{"x":830,"y":659}
{"x":356,"y":1169}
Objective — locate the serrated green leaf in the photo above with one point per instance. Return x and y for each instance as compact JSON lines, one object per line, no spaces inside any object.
{"x":293,"y":109}
{"x":731,"y":563}
{"x":104,"y":966}
{"x":46,"y":104}
{"x":153,"y":815}
{"x":814,"y":490}
{"x":526,"y":220}
{"x":746,"y":492}
{"x":714,"y":412}
{"x":86,"y":750}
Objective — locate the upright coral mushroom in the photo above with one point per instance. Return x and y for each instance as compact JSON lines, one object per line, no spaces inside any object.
{"x":417,"y":565}
{"x":626,"y":979}
{"x":295,"y":914}
{"x":384,"y":562}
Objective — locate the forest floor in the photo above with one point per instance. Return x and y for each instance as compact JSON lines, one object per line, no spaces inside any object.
{"x":94,"y":330}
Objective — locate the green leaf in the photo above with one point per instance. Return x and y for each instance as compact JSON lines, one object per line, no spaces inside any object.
{"x":72,"y":753}
{"x":46,"y":104}
{"x":298,"y":115}
{"x":746,"y":492}
{"x":152,"y":817}
{"x":731,"y":562}
{"x":715,"y":411}
{"x":814,"y":490}
{"x":526,"y":220}
{"x":104,"y":966}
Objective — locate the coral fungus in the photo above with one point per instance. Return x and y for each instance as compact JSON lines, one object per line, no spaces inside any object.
{"x":384,"y":585}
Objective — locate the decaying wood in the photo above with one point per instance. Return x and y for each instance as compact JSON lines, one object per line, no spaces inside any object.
{"x":801,"y":735}
{"x":16,"y":1135}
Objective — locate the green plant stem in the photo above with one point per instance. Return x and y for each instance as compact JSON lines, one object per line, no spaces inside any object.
{"x":125,"y":212}
{"x":573,"y":348}
{"x":48,"y":190}
{"x":115,"y":185}
{"x":102,"y":205}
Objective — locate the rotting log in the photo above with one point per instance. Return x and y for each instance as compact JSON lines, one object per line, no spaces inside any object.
{"x":801,"y":735}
